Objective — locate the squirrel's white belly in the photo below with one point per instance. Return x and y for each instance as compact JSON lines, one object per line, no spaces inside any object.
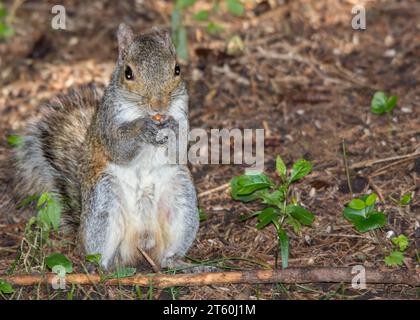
{"x":143,"y":212}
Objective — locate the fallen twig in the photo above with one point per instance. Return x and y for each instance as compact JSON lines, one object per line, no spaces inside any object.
{"x":290,"y":275}
{"x":369,"y":163}
{"x":149,"y":260}
{"x":376,"y":189}
{"x":386,"y":169}
{"x":219,"y":188}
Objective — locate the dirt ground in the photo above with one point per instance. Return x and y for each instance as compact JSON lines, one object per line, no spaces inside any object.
{"x":305,"y":76}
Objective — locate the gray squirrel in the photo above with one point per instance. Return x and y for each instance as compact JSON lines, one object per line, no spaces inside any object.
{"x":102,"y":157}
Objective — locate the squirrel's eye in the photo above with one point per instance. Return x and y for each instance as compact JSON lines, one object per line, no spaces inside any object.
{"x":177,"y":70}
{"x":128,"y":73}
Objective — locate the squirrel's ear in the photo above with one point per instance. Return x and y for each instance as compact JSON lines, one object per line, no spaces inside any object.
{"x":166,"y":37}
{"x":168,"y":41}
{"x":125,"y":37}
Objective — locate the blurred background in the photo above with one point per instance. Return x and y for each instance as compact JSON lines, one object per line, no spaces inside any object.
{"x":295,"y":68}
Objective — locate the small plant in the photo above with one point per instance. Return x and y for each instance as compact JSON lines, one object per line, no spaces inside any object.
{"x":37,"y":230}
{"x":361,"y":213}
{"x":382,"y":104}
{"x":179,"y":32}
{"x":5,"y":30}
{"x":94,"y":258}
{"x":202,"y":215}
{"x":5,"y":287}
{"x":404,"y":201}
{"x":396,"y":257}
{"x":49,"y":212}
{"x":15,"y":140}
{"x":58,"y":259}
{"x":279,"y":209}
{"x":121,"y":272}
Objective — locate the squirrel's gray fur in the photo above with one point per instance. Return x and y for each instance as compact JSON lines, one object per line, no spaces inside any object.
{"x":102,"y":157}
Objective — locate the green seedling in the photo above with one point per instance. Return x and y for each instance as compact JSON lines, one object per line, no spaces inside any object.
{"x":58,"y":259}
{"x":121,"y":272}
{"x":15,"y":140}
{"x":182,"y":7}
{"x":382,"y":104}
{"x":5,"y":287}
{"x":279,"y":209}
{"x":396,"y":257}
{"x":202,"y":215}
{"x":361,"y":213}
{"x":5,"y":30}
{"x":404,"y":201}
{"x":49,"y":211}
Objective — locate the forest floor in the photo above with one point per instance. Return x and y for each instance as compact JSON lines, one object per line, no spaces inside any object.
{"x":305,"y":76}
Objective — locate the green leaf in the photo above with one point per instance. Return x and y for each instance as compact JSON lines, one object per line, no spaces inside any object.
{"x":15,"y":140}
{"x":295,"y":224}
{"x":202,"y":215}
{"x":405,"y":199}
{"x":247,"y":184}
{"x":249,"y":216}
{"x":300,"y":169}
{"x":235,"y":7}
{"x":395,"y":258}
{"x":391,"y":103}
{"x":183,"y":4}
{"x":5,"y":31}
{"x":42,"y":200}
{"x":94,"y":258}
{"x":274,"y":198}
{"x":379,"y":103}
{"x":266,"y":216}
{"x":370,"y":200}
{"x":5,"y":287}
{"x":3,"y":12}
{"x":301,"y":214}
{"x":58,"y":259}
{"x":214,"y":28}
{"x":357,"y":204}
{"x":284,"y":247}
{"x":373,"y":221}
{"x":122,"y":272}
{"x":281,"y":168}
{"x":27,"y":201}
{"x":401,"y":241}
{"x":360,"y":207}
{"x":247,"y":198}
{"x":49,"y":210}
{"x":54,"y":212}
{"x":201,"y":15}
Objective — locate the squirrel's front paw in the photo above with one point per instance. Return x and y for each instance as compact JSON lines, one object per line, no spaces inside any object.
{"x":160,"y":131}
{"x":170,"y":124}
{"x":150,"y":132}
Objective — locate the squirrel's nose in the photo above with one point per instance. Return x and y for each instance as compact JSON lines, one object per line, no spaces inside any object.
{"x":158,"y":104}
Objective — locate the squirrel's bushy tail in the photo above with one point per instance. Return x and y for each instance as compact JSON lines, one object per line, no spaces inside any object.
{"x":53,"y":148}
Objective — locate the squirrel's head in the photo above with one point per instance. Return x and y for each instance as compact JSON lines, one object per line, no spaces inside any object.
{"x":147,"y":70}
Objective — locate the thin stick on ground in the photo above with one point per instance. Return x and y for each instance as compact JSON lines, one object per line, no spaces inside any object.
{"x":346,"y":166}
{"x":219,"y":188}
{"x":376,"y":189}
{"x":369,"y":163}
{"x":290,"y":275}
{"x":386,"y":169}
{"x":149,"y":260}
